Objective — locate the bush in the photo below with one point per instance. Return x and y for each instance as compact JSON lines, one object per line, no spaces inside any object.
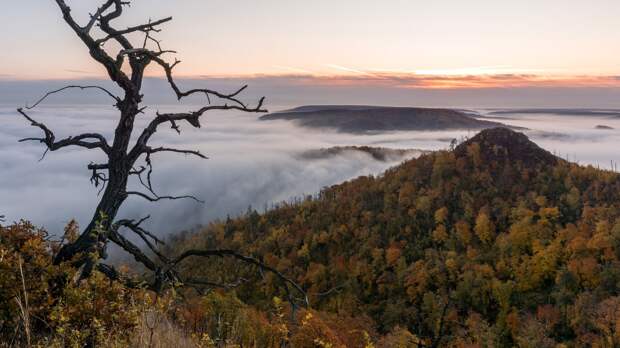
{"x":42,"y":304}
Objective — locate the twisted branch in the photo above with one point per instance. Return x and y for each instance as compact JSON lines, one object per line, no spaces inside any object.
{"x":96,"y":51}
{"x":193,"y":118}
{"x":80,"y":140}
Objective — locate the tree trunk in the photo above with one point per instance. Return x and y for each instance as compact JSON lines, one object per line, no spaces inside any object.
{"x":114,"y":194}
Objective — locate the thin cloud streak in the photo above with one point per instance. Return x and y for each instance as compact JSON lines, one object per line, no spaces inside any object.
{"x":493,"y":76}
{"x":438,"y":81}
{"x":294,"y":69}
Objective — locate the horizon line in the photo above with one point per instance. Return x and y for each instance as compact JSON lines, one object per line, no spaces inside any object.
{"x":385,"y":79}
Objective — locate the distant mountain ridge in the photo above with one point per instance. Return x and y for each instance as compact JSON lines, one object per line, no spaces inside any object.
{"x":362,"y":118}
{"x":382,"y":154}
{"x":559,"y":112}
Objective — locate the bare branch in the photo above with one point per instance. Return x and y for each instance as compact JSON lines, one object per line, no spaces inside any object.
{"x":159,"y":198}
{"x":96,"y":51}
{"x":186,"y":152}
{"x":147,"y":37}
{"x":95,"y":166}
{"x":97,"y":15}
{"x":246,"y":259}
{"x":79,"y":140}
{"x":131,"y":248}
{"x":117,"y":99}
{"x":97,"y":177}
{"x":192,"y":118}
{"x":145,"y":235}
{"x":142,"y":51}
{"x":137,"y":171}
{"x":142,"y":28}
{"x":210,"y":284}
{"x":104,"y":24}
{"x":207,"y":92}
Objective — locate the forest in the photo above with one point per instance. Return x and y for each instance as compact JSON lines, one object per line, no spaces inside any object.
{"x":494,"y":243}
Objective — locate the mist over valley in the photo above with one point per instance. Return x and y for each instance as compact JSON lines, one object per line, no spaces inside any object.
{"x":251,"y":162}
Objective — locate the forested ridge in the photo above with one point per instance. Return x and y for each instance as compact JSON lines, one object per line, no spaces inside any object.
{"x":496,"y":243}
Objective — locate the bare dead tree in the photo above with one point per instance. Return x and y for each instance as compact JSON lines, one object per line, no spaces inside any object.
{"x":126,"y":67}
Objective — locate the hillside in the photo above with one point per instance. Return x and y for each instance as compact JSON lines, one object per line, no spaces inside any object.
{"x":359,"y":119}
{"x":497,"y":243}
{"x":382,"y":154}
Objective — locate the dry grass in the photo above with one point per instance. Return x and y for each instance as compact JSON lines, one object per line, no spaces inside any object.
{"x":22,"y":303}
{"x":156,"y":331}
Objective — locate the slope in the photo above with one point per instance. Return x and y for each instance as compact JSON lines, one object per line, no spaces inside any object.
{"x":497,"y":241}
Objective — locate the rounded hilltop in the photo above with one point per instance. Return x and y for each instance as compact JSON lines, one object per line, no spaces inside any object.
{"x":501,"y":144}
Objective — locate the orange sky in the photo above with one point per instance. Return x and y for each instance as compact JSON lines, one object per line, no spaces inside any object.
{"x":405,"y":43}
{"x":443,"y":81}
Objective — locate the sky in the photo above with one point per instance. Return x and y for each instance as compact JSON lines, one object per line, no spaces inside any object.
{"x":405,"y":43}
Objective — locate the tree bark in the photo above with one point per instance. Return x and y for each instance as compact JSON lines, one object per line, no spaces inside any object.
{"x":115,"y":192}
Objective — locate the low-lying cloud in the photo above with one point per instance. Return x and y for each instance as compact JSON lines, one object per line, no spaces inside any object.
{"x":251,"y":162}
